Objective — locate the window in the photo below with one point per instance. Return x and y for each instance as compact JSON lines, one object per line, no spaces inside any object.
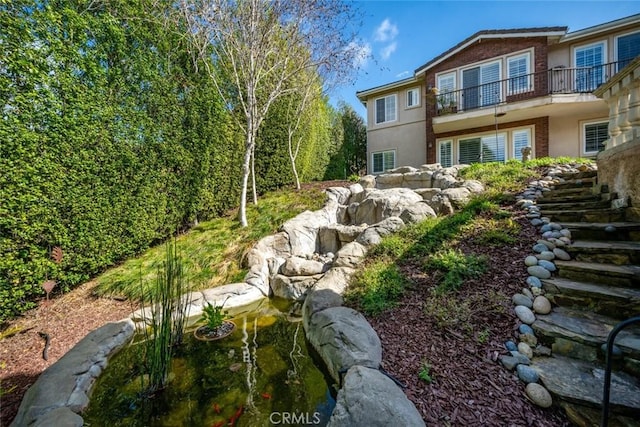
{"x":446,"y":85}
{"x":518,"y":69}
{"x":590,"y":63}
{"x":383,"y":161}
{"x":484,"y":149}
{"x":413,"y":97}
{"x":386,"y":109}
{"x":628,"y":47}
{"x":445,"y":153}
{"x":521,"y":139}
{"x":595,"y":134}
{"x":481,"y":85}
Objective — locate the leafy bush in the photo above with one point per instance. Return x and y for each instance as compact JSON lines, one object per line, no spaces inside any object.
{"x":377,"y":287}
{"x":455,"y":267}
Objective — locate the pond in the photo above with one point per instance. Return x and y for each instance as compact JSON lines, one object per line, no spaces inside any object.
{"x":263,"y":374}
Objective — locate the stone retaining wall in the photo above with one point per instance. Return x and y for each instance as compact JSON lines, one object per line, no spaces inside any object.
{"x":310,"y":260}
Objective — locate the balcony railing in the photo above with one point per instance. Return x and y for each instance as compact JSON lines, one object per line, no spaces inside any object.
{"x":528,"y":86}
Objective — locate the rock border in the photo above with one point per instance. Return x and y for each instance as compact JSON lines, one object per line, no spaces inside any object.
{"x":310,"y":260}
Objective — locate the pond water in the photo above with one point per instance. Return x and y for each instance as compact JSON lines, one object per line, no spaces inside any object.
{"x":263,"y":374}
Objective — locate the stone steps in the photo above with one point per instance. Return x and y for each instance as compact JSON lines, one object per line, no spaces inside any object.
{"x":580,"y":334}
{"x":576,"y":183}
{"x":615,"y":302}
{"x":608,"y":274}
{"x":584,"y":215}
{"x":579,"y":175}
{"x":567,"y":192}
{"x":595,"y":202}
{"x":608,"y":252}
{"x":568,"y":199}
{"x":623,"y":230}
{"x":579,"y":387}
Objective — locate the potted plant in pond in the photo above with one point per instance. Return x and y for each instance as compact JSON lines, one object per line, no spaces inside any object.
{"x":215,"y":327}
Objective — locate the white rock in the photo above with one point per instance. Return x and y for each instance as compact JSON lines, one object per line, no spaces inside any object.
{"x":538,"y":395}
{"x":541,"y":305}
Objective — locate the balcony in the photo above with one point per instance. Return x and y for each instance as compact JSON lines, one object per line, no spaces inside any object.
{"x":529,"y":86}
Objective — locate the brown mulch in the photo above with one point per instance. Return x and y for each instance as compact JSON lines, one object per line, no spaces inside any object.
{"x":470,"y":387}
{"x":67,"y":319}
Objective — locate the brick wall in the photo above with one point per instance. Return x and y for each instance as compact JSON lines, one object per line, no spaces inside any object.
{"x":485,"y":49}
{"x":541,"y":125}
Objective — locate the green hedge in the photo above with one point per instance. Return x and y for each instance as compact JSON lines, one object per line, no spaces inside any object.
{"x":110,"y":140}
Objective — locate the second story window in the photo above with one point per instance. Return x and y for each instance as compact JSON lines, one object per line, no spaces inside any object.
{"x":589,"y":62}
{"x":518,"y":69}
{"x":386,"y":109}
{"x":413,"y":97}
{"x":627,"y":47}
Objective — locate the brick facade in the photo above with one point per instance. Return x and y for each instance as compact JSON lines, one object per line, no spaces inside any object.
{"x":541,"y":130}
{"x":481,"y":50}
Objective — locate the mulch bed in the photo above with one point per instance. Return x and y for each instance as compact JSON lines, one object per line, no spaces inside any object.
{"x":470,"y":387}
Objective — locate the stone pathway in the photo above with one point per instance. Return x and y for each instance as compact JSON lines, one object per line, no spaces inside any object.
{"x":587,"y":267}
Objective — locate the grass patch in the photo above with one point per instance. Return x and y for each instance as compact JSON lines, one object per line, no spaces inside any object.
{"x":377,"y":288}
{"x":455,"y":268}
{"x":213,"y":251}
{"x":494,"y":232}
{"x":425,"y":372}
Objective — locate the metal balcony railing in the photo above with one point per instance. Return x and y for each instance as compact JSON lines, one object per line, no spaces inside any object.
{"x":528,"y":86}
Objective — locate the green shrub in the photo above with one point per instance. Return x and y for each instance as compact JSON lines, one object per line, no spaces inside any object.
{"x":377,"y":287}
{"x":455,"y":267}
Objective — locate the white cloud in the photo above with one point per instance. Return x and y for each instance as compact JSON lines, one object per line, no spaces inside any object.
{"x":361,"y":53}
{"x":386,"y":31}
{"x":388,"y":50}
{"x":402,"y":75}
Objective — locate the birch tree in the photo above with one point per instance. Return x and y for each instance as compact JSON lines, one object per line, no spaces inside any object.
{"x":257,"y":43}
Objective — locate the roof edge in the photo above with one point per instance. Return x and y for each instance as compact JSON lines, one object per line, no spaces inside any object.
{"x":363,"y":94}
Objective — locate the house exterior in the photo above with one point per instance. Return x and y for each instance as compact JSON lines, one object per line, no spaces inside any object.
{"x":497,"y":92}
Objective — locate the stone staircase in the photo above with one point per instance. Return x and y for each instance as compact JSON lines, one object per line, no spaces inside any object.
{"x":595,"y":290}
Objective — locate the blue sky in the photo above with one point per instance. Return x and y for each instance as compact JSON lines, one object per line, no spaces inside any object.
{"x":402,"y":35}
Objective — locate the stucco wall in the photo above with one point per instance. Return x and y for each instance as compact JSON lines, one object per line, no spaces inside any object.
{"x":620,"y":168}
{"x":566,"y":135}
{"x":407,"y":139}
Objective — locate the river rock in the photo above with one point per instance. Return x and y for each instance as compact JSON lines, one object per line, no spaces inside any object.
{"x":530,"y":261}
{"x":525,"y":329}
{"x":539,"y":272}
{"x":538,"y":395}
{"x":547,"y":243}
{"x":527,"y":374}
{"x":546,"y":255}
{"x":541,"y":305}
{"x":547,"y":265}
{"x":525,"y":349}
{"x":539,"y":247}
{"x":520,"y":299}
{"x":525,"y":314}
{"x":529,"y":339}
{"x":511,"y":346}
{"x":561,"y":254}
{"x":370,"y":398}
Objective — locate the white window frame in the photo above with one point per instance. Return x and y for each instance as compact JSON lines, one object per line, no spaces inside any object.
{"x":516,"y":154}
{"x":589,"y":83}
{"x":583,"y":136}
{"x":440,"y":144}
{"x":442,"y":100}
{"x":416,"y":97}
{"x":482,"y":102}
{"x":503,"y":135}
{"x":529,"y":86}
{"x":383,"y":153}
{"x":387,"y":118}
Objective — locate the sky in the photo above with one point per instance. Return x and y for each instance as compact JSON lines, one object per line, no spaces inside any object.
{"x":400,"y":36}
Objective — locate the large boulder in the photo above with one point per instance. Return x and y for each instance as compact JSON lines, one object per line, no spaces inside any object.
{"x":403,"y":169}
{"x":303,"y":230}
{"x":431,"y":167}
{"x":474,"y":186}
{"x":428,"y":193}
{"x":420,"y":179}
{"x":441,"y":204}
{"x":293,"y":288}
{"x":338,"y":194}
{"x":368,"y":181}
{"x":374,"y":234}
{"x":343,"y":338}
{"x":382,"y":204}
{"x":326,"y":293}
{"x":297,"y":266}
{"x":370,"y":398}
{"x":417,"y":212}
{"x":357,"y":194}
{"x":444,"y":180}
{"x":458,"y":196}
{"x":390,"y":180}
{"x":233,"y":295}
{"x":350,"y":255}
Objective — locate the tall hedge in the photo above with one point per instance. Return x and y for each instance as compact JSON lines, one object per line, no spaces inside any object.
{"x":111,"y":138}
